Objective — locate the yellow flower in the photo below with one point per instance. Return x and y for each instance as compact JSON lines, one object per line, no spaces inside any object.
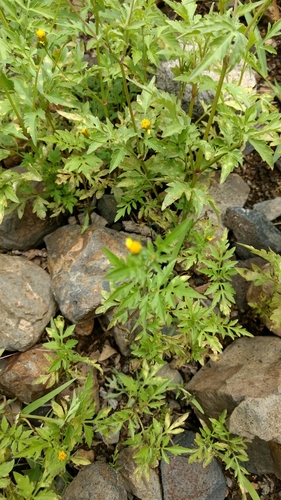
{"x":61,"y":455}
{"x":209,"y":238}
{"x":134,"y":246}
{"x":146,"y":124}
{"x":85,"y":132}
{"x":41,"y":35}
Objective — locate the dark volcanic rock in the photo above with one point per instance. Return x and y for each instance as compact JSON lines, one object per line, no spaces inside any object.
{"x":181,"y":480}
{"x":98,"y":481}
{"x":252,"y":228}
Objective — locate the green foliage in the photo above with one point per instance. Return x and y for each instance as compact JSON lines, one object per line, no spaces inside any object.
{"x":215,"y":440}
{"x":63,"y":359}
{"x":174,"y":318}
{"x":145,"y":416}
{"x":269,"y":304}
{"x":44,"y":451}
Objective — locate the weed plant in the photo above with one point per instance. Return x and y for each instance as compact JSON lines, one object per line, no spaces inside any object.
{"x":82,"y":114}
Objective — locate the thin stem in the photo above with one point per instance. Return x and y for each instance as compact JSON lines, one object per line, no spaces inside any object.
{"x":97,"y":24}
{"x":36,"y":80}
{"x":210,"y":122}
{"x":262,"y":8}
{"x":2,"y":16}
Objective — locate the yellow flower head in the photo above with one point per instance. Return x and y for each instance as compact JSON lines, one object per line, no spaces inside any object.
{"x":133,"y":245}
{"x":85,"y":132}
{"x":209,"y":238}
{"x":61,"y":455}
{"x":146,"y":124}
{"x":41,"y":35}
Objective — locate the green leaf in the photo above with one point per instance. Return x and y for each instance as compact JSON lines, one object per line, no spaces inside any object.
{"x":174,"y":193}
{"x":245,"y":483}
{"x":44,"y":399}
{"x":263,"y":149}
{"x":116,"y":158}
{"x":217,"y":51}
{"x":10,"y":194}
{"x":31,"y":122}
{"x":6,"y":468}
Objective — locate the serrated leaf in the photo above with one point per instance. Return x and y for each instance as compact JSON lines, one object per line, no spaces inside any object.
{"x":31,"y":122}
{"x":218,"y":50}
{"x":116,"y":158}
{"x":174,"y":193}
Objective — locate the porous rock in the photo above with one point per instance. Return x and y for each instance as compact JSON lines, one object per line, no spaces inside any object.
{"x":144,"y":488}
{"x":26,"y":303}
{"x":124,"y":334}
{"x":78,"y":266}
{"x":252,"y":228}
{"x":18,"y":376}
{"x":98,"y":481}
{"x":181,"y":480}
{"x":248,"y":373}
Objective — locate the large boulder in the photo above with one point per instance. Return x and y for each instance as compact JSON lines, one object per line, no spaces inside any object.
{"x":78,"y":265}
{"x":98,"y":481}
{"x":246,"y":380}
{"x":26,"y":303}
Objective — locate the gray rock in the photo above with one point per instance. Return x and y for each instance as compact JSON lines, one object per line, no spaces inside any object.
{"x":29,"y":231}
{"x":26,"y":303}
{"x":98,"y":481}
{"x":165,"y":81}
{"x":167,"y":372}
{"x":270,"y":208}
{"x":232,"y":193}
{"x":246,"y":381}
{"x":18,"y":377}
{"x":107,"y":208}
{"x":78,"y":265}
{"x":181,"y":480}
{"x":252,"y":228}
{"x":143,"y":488}
{"x":258,"y":417}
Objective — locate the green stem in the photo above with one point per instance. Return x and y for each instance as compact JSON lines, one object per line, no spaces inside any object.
{"x":262,"y":8}
{"x":199,"y":158}
{"x":97,"y":24}
{"x":36,"y":81}
{"x":2,"y":16}
{"x":194,"y":88}
{"x":132,"y":5}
